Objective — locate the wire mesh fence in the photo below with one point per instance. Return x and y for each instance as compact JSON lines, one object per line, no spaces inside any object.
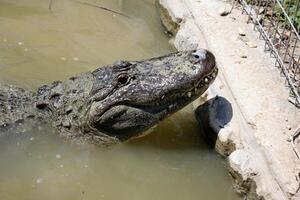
{"x":278,"y":23}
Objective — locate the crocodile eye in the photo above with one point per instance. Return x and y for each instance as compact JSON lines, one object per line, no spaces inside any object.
{"x":123,"y":79}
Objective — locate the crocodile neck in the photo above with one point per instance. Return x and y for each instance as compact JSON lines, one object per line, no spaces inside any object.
{"x":59,"y":103}
{"x":16,"y":104}
{"x":65,"y":101}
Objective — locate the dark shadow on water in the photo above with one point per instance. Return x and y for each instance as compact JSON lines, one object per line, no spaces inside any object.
{"x":179,"y":132}
{"x":183,"y":132}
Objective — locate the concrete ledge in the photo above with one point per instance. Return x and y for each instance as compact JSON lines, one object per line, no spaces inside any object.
{"x":261,"y":160}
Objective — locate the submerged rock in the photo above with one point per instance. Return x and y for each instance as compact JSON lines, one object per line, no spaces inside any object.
{"x":213,"y":116}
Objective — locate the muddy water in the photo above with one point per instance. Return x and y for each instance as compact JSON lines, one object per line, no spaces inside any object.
{"x":39,"y":45}
{"x":42,"y":42}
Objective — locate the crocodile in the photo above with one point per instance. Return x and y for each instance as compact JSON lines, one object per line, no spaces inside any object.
{"x":113,"y":103}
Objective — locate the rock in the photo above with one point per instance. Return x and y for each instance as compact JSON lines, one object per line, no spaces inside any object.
{"x":170,"y":23}
{"x":269,"y":13}
{"x":241,"y":32}
{"x":277,"y":45}
{"x":187,"y":38}
{"x":243,"y":171}
{"x":243,"y":56}
{"x":251,"y":44}
{"x":58,"y":156}
{"x":213,"y":116}
{"x":239,"y":159}
{"x":171,"y":41}
{"x":224,"y":11}
{"x":225,"y":145}
{"x":259,"y":20}
{"x":287,"y":35}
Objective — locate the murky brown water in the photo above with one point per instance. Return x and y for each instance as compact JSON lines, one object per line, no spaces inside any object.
{"x":37,"y":46}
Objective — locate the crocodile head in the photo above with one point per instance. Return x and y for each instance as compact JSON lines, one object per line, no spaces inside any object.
{"x":127,"y":98}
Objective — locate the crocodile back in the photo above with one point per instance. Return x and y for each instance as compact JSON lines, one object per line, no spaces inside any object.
{"x":16,"y":104}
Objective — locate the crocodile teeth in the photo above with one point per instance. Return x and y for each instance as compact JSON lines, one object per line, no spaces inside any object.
{"x":189,"y":94}
{"x":206,"y":80}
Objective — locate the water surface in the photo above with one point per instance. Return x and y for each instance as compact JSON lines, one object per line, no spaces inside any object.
{"x":39,"y":45}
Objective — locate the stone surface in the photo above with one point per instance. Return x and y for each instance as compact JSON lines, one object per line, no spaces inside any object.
{"x":187,"y":38}
{"x":264,"y":164}
{"x":224,"y":11}
{"x":241,"y":32}
{"x":251,"y":44}
{"x":214,"y":117}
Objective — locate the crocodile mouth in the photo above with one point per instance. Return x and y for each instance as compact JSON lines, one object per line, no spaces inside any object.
{"x":175,"y":100}
{"x":187,"y":96}
{"x":207,"y":79}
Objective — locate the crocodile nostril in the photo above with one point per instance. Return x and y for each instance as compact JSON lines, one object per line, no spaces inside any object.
{"x":199,"y":54}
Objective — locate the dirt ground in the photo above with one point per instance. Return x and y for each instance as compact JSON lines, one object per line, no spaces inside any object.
{"x":264,"y":163}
